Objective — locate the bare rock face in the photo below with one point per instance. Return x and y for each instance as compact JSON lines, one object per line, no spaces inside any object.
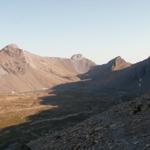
{"x":12,"y":60}
{"x":118,"y":63}
{"x":82,"y":64}
{"x":13,"y":50}
{"x":77,"y":57}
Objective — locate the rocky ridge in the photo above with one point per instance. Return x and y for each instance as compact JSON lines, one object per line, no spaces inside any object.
{"x":21,"y":70}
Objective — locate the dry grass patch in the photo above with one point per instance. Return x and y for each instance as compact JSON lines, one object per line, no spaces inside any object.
{"x":15,"y":109}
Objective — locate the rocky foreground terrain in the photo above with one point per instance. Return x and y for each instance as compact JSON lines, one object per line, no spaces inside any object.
{"x":124,"y":126}
{"x":30,"y":116}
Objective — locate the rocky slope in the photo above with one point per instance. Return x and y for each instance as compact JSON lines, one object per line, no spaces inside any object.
{"x":118,"y":63}
{"x":23,"y":71}
{"x":124,"y":126}
{"x":118,"y":74}
{"x":82,"y":64}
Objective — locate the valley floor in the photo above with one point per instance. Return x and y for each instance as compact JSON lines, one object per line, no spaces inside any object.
{"x":29,"y":116}
{"x":50,"y":120}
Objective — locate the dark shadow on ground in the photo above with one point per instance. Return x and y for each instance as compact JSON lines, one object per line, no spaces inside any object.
{"x":76,"y":102}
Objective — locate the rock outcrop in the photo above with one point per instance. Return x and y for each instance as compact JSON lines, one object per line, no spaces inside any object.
{"x":82,"y":64}
{"x":118,"y":63}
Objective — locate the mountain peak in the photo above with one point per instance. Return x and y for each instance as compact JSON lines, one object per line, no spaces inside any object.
{"x":118,"y":63}
{"x":12,"y":46}
{"x":12,"y":50}
{"x":76,"y":57}
{"x":118,"y":58}
{"x":82,"y":64}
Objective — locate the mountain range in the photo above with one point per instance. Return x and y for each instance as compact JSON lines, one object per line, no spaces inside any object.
{"x":22,"y":71}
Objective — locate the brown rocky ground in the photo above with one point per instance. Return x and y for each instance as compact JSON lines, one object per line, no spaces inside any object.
{"x":29,"y":116}
{"x":124,"y":126}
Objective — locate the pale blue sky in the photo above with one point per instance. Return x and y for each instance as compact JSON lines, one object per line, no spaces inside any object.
{"x":99,"y":29}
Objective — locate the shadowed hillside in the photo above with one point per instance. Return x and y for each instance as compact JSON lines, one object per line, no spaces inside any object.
{"x":123,"y":126}
{"x":35,"y":115}
{"x":132,"y":79}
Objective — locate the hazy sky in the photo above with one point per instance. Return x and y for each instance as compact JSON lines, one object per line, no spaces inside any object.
{"x":99,"y":29}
